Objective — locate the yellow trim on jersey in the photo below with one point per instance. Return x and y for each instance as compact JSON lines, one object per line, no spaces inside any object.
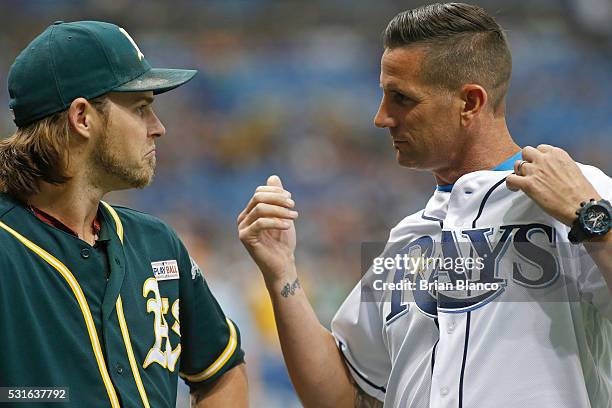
{"x":122,"y":322}
{"x":82,"y":301}
{"x":219,"y":362}
{"x":128,"y":347}
{"x":116,"y":218}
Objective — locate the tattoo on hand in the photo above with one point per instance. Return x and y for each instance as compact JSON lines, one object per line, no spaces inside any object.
{"x":289,"y":288}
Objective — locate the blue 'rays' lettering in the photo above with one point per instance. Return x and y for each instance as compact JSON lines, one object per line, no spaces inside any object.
{"x":450,"y":251}
{"x":539,"y":258}
{"x":423,"y":246}
{"x":479,"y":247}
{"x":490,"y":257}
{"x":529,"y":254}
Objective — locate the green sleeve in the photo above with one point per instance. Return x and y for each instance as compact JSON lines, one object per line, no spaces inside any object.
{"x":210,"y":342}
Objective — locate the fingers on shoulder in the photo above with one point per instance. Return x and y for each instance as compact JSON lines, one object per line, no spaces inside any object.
{"x":544,"y":150}
{"x":515,"y":182}
{"x":531,"y":154}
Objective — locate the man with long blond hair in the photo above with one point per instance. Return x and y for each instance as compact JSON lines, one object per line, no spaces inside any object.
{"x":100,"y":305}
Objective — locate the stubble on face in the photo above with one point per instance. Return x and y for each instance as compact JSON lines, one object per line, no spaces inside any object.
{"x":422,"y":128}
{"x":108,"y":160}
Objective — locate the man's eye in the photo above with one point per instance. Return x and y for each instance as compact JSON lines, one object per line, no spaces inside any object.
{"x":141,"y":110}
{"x":400,"y":98}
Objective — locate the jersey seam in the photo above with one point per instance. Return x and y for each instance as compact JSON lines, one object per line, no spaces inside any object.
{"x":433,"y":356}
{"x":360,"y":375}
{"x":464,"y":362}
{"x":429,"y":218}
{"x":469,"y":314}
{"x":125,"y":333}
{"x":8,"y":210}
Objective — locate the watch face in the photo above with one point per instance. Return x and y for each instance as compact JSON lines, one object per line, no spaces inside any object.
{"x":596,"y":219}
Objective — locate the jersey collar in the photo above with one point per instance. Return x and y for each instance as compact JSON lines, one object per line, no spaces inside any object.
{"x":100,"y":233}
{"x":506,"y":165}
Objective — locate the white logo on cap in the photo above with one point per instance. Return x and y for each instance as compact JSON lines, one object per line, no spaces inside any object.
{"x":140,"y":54}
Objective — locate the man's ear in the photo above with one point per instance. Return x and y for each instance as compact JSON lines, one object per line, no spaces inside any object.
{"x":82,"y":116}
{"x":474,"y":99}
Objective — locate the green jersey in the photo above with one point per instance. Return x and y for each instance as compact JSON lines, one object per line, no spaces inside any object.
{"x":116,"y":322}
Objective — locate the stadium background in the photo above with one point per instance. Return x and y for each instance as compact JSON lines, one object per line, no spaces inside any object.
{"x":291,"y":87}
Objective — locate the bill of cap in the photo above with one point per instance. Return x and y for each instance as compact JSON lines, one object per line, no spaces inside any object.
{"x":158,"y":80}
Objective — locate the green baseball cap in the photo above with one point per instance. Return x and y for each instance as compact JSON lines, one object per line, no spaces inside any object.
{"x":81,"y":59}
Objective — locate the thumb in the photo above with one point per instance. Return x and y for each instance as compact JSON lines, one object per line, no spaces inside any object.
{"x":275,"y":181}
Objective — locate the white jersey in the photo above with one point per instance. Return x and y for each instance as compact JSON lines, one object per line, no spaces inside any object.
{"x":542,"y":339}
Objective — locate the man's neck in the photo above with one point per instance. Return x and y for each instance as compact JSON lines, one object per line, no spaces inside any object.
{"x":484,"y":152}
{"x":72,"y":204}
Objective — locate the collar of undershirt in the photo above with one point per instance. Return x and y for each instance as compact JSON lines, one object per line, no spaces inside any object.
{"x":96,"y":226}
{"x":507,"y":164}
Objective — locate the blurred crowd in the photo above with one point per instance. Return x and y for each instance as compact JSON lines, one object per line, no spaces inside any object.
{"x":290,"y":88}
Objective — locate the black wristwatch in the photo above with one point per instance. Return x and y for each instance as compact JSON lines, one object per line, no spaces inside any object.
{"x":594,"y":220}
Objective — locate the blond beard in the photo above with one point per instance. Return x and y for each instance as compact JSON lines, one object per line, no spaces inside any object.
{"x":107,"y":162}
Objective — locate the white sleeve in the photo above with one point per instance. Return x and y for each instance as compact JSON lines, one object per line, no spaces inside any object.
{"x":593,"y":286}
{"x":591,"y":282}
{"x":358,"y":329}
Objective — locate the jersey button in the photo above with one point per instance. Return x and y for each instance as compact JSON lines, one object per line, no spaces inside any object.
{"x":444,"y":391}
{"x":85,"y":253}
{"x":119,"y":369}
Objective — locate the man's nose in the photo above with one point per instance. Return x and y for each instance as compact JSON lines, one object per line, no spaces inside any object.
{"x":382,"y":119}
{"x":157,"y":128}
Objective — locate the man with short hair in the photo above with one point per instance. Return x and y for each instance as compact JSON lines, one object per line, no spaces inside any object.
{"x":102,"y":301}
{"x":533,"y":327}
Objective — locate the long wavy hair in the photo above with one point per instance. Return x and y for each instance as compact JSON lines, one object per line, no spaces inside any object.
{"x":39,"y":152}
